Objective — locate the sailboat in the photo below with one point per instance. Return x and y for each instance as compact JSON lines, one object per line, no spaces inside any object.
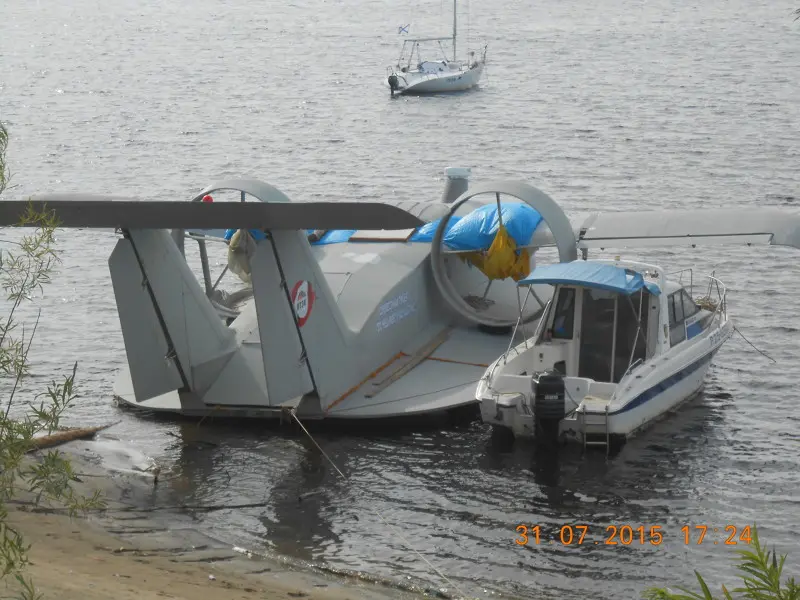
{"x":414,"y":75}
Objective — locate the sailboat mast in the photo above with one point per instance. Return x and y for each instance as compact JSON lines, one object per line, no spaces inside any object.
{"x":454,"y":30}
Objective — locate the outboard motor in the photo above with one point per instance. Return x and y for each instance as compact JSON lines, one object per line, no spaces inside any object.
{"x":549,"y":405}
{"x":393,"y":83}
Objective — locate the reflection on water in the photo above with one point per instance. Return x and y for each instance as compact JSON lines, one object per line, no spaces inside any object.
{"x":458,"y":500}
{"x":300,"y":501}
{"x":628,"y":106}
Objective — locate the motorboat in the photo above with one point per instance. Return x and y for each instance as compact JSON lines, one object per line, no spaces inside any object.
{"x":620,"y":344}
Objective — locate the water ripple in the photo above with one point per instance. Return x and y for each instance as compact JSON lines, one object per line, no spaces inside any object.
{"x":628,"y":105}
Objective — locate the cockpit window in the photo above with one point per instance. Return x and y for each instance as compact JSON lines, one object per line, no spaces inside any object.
{"x":681,"y":307}
{"x":676,"y":310}
{"x":689,"y":307}
{"x":564,"y":314}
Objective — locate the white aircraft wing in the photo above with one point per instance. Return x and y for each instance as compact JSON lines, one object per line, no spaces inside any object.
{"x":772,"y":226}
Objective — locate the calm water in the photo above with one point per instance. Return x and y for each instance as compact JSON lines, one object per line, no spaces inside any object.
{"x":619,"y":105}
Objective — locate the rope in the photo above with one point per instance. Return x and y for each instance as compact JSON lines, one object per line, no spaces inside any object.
{"x":736,"y":329}
{"x":379,"y":515}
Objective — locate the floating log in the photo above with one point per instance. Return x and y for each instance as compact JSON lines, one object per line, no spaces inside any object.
{"x":66,"y":435}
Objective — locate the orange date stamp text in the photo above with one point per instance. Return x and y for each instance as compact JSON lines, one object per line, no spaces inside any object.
{"x":628,"y":535}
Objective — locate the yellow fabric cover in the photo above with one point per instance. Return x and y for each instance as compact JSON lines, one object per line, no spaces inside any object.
{"x":240,"y":250}
{"x":502,"y":259}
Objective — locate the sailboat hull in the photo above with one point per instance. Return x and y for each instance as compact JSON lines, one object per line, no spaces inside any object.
{"x":436,"y":83}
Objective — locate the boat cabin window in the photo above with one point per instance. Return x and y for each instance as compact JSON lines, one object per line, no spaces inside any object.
{"x":675,"y":311}
{"x":689,"y":307}
{"x":564,"y":315}
{"x":681,"y":307}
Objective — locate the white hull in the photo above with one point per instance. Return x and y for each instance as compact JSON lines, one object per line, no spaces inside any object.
{"x":639,"y":403}
{"x":440,"y":384}
{"x":437,"y":83}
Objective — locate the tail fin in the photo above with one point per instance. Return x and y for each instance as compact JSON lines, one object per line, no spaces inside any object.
{"x":175,"y":340}
{"x":300,"y":324}
{"x":173,"y":337}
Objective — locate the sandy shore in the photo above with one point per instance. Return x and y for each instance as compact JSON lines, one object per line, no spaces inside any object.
{"x":124,"y":553}
{"x":72,"y":560}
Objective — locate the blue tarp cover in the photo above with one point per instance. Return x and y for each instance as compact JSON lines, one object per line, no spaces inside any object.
{"x":334,"y":236}
{"x":475,"y":231}
{"x":591,"y":274}
{"x":256,"y":233}
{"x":426,"y":232}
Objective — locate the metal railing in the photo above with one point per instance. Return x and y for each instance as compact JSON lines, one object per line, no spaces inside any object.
{"x":721,"y":309}
{"x":680,"y":276}
{"x":631,"y":368}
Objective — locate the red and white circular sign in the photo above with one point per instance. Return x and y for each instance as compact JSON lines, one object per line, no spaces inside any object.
{"x":302,"y":300}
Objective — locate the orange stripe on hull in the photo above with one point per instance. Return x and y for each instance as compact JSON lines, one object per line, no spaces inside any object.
{"x":365,"y":380}
{"x":388,"y":363}
{"x":458,"y":362}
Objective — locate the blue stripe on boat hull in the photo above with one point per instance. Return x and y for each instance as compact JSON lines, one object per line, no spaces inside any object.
{"x":664,"y":385}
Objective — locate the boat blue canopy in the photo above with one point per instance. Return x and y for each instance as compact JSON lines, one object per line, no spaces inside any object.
{"x":591,"y":274}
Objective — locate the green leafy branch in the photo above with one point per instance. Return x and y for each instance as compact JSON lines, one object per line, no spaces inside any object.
{"x":761,"y":572}
{"x":25,"y":267}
